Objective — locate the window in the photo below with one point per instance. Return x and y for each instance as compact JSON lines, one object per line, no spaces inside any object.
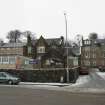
{"x":94,"y":63}
{"x":94,"y":49}
{"x":94,"y":55}
{"x":2,"y":75}
{"x":87,"y":55}
{"x":87,"y":42}
{"x":39,"y":57}
{"x":47,"y":62}
{"x":12,"y":60}
{"x":41,"y":49}
{"x":5,"y":60}
{"x":29,"y":49}
{"x":87,"y":63}
{"x":26,"y":62}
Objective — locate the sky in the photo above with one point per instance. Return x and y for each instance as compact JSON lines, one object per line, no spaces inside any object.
{"x":46,"y":17}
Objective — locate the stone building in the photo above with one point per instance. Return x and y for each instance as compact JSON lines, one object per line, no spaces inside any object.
{"x":93,"y":53}
{"x":49,"y":52}
{"x":14,"y":56}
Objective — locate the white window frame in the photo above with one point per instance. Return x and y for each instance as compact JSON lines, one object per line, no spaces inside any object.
{"x":94,"y":63}
{"x":5,"y":60}
{"x":12,"y":60}
{"x":26,"y":62}
{"x":29,"y":49}
{"x":41,"y":49}
{"x":87,"y":63}
{"x":94,"y":55}
{"x":87,"y":55}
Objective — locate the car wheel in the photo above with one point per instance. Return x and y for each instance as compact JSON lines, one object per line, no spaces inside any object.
{"x":10,"y":82}
{"x":17,"y":83}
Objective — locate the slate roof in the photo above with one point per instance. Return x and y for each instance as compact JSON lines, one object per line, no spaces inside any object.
{"x":10,"y":45}
{"x":21,"y":44}
{"x":49,"y":41}
{"x":100,"y":41}
{"x":53,"y":40}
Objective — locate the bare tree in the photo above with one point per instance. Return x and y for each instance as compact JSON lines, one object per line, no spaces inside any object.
{"x":93,"y":36}
{"x":78,"y":39}
{"x":29,"y":33}
{"x":1,"y":41}
{"x":14,"y":36}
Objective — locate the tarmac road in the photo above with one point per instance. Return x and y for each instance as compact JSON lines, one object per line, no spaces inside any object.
{"x":24,"y":96}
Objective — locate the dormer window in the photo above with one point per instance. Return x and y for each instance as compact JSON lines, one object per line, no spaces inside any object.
{"x":87,"y":42}
{"x":41,"y":49}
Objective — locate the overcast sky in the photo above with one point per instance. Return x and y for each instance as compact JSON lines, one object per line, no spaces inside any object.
{"x":45,"y":17}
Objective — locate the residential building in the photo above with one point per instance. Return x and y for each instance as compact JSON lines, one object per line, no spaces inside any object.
{"x":93,"y":53}
{"x":39,"y":53}
{"x":49,"y":52}
{"x":14,"y":56}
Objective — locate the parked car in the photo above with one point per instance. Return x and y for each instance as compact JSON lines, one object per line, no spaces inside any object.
{"x":101,"y":68}
{"x":84,"y":70}
{"x":8,"y":78}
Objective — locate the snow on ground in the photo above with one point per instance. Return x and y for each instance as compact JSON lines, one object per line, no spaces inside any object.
{"x":84,"y":84}
{"x":101,"y":74}
{"x":42,"y":84}
{"x":82,"y":80}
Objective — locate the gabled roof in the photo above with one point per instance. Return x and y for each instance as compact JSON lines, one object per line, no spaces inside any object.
{"x":41,"y":41}
{"x":50,"y":41}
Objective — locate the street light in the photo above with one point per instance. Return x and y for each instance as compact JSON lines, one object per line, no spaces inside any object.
{"x":67,"y":70}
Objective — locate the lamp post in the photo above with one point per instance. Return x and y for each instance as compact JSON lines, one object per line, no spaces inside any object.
{"x":67,"y":69}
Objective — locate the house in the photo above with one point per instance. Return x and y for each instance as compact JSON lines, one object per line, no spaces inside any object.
{"x":14,"y":56}
{"x":93,"y":53}
{"x":49,"y":52}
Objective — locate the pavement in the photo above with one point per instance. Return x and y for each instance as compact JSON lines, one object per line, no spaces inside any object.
{"x":48,"y":84}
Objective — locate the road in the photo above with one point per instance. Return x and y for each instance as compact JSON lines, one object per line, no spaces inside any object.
{"x":24,"y":96}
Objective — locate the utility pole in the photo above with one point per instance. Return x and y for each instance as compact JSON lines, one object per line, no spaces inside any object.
{"x":67,"y":69}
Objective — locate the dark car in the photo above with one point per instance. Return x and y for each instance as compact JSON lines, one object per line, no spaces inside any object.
{"x":8,"y":78}
{"x":101,"y":68}
{"x":84,"y":70}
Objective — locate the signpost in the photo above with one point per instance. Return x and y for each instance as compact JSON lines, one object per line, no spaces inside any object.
{"x":34,"y":61}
